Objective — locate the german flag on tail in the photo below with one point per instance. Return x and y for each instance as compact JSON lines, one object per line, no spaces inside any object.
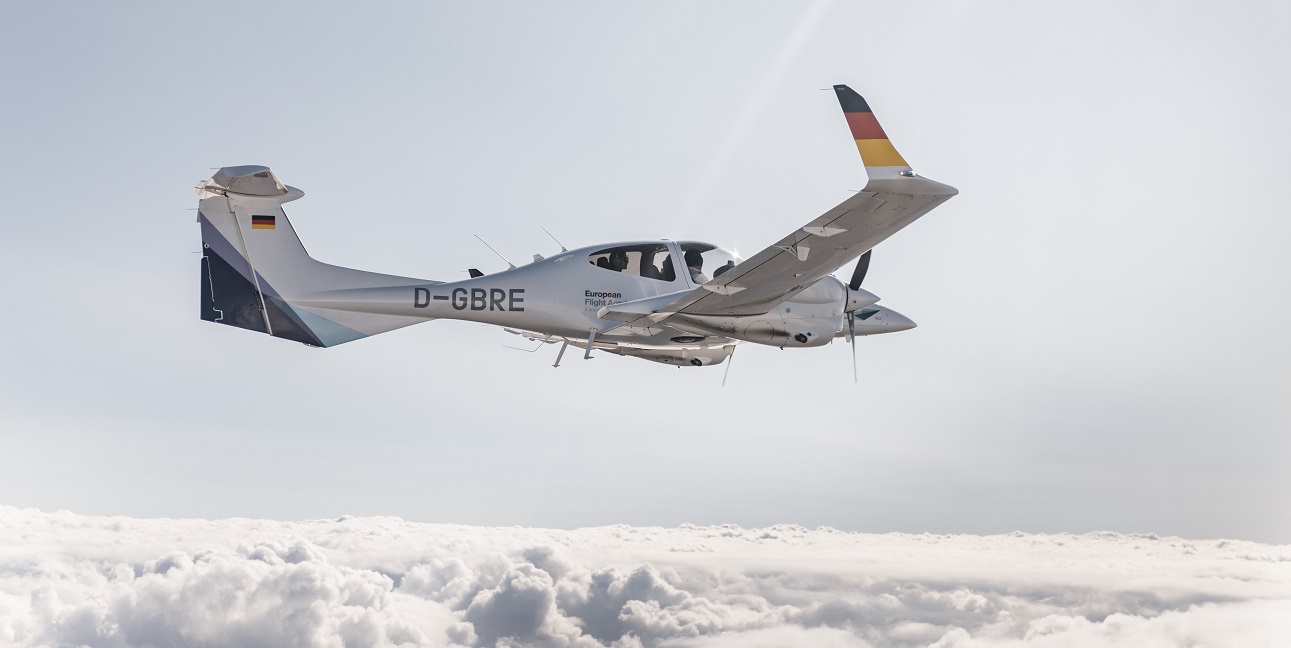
{"x":881,"y":159}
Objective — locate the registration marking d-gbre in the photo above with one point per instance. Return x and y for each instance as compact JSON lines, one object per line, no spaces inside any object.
{"x":476,"y":299}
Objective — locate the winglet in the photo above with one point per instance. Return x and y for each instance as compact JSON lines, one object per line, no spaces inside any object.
{"x":881,"y":159}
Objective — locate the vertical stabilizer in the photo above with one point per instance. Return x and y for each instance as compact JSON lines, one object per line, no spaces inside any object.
{"x":257,"y":275}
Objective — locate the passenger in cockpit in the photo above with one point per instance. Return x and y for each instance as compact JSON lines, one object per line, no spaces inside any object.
{"x":695,"y":264}
{"x":618,"y":260}
{"x":648,"y":268}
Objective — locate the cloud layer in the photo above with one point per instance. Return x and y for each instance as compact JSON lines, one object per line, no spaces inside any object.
{"x":68,"y":579}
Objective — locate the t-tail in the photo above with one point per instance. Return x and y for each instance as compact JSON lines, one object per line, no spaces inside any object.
{"x":256,"y":274}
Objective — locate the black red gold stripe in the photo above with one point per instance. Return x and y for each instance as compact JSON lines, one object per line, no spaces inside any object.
{"x":875,"y":147}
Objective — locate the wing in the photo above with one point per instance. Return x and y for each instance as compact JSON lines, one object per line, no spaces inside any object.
{"x":893,"y":198}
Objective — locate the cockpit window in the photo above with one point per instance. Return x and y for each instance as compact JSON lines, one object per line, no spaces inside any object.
{"x":704,"y":261}
{"x":650,"y":260}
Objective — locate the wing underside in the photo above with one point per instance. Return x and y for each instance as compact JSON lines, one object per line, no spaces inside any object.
{"x":893,"y":198}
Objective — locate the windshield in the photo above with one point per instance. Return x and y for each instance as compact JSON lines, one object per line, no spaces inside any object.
{"x":705,"y":261}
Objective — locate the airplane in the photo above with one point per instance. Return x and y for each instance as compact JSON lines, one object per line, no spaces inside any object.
{"x":683,"y":303}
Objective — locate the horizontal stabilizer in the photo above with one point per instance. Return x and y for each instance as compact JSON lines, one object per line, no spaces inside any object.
{"x":256,"y":275}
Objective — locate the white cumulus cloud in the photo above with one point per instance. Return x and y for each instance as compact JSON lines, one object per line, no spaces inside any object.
{"x":71,"y":580}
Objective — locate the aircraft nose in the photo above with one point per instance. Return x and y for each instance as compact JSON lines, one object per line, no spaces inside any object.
{"x":894,"y":321}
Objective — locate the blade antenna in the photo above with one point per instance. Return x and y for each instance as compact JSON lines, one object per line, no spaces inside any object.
{"x":513,"y":266}
{"x":730,"y":360}
{"x":562,"y":245}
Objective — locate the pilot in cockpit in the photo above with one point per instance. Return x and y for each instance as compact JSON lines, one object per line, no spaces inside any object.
{"x":618,"y":261}
{"x":695,"y":265}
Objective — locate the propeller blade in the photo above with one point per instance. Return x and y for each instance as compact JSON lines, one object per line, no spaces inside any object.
{"x":851,"y":338}
{"x":730,"y":359}
{"x":858,"y":275}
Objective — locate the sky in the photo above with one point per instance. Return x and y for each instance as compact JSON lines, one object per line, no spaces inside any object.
{"x":382,"y":581}
{"x":1102,"y":309}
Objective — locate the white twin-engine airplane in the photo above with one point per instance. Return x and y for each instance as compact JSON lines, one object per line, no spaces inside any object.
{"x":676,"y":302}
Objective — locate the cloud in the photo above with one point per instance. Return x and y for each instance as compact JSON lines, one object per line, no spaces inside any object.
{"x":67,"y":579}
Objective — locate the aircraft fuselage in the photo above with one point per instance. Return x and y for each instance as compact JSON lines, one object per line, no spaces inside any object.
{"x":563,"y":296}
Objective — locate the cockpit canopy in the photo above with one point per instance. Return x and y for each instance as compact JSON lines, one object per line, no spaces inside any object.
{"x":649,"y":260}
{"x":699,"y":261}
{"x":713,"y":261}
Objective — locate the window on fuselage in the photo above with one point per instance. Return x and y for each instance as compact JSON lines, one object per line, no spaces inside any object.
{"x":650,"y":260}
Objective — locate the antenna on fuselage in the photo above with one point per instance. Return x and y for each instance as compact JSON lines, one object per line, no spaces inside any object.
{"x":513,"y":266}
{"x":562,"y":245}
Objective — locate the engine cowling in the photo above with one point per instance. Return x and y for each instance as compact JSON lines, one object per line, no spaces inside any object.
{"x":700,"y":357}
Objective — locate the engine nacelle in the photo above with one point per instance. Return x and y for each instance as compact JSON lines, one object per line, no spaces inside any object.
{"x":873,"y":320}
{"x":702,"y":357}
{"x":783,"y":327}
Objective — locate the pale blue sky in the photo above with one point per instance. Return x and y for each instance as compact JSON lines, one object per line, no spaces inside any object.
{"x":1102,"y":339}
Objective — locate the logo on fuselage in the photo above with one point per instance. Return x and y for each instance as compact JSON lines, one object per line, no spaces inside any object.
{"x":600,"y":298}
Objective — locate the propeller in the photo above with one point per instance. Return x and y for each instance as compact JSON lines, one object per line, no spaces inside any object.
{"x":858,"y":275}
